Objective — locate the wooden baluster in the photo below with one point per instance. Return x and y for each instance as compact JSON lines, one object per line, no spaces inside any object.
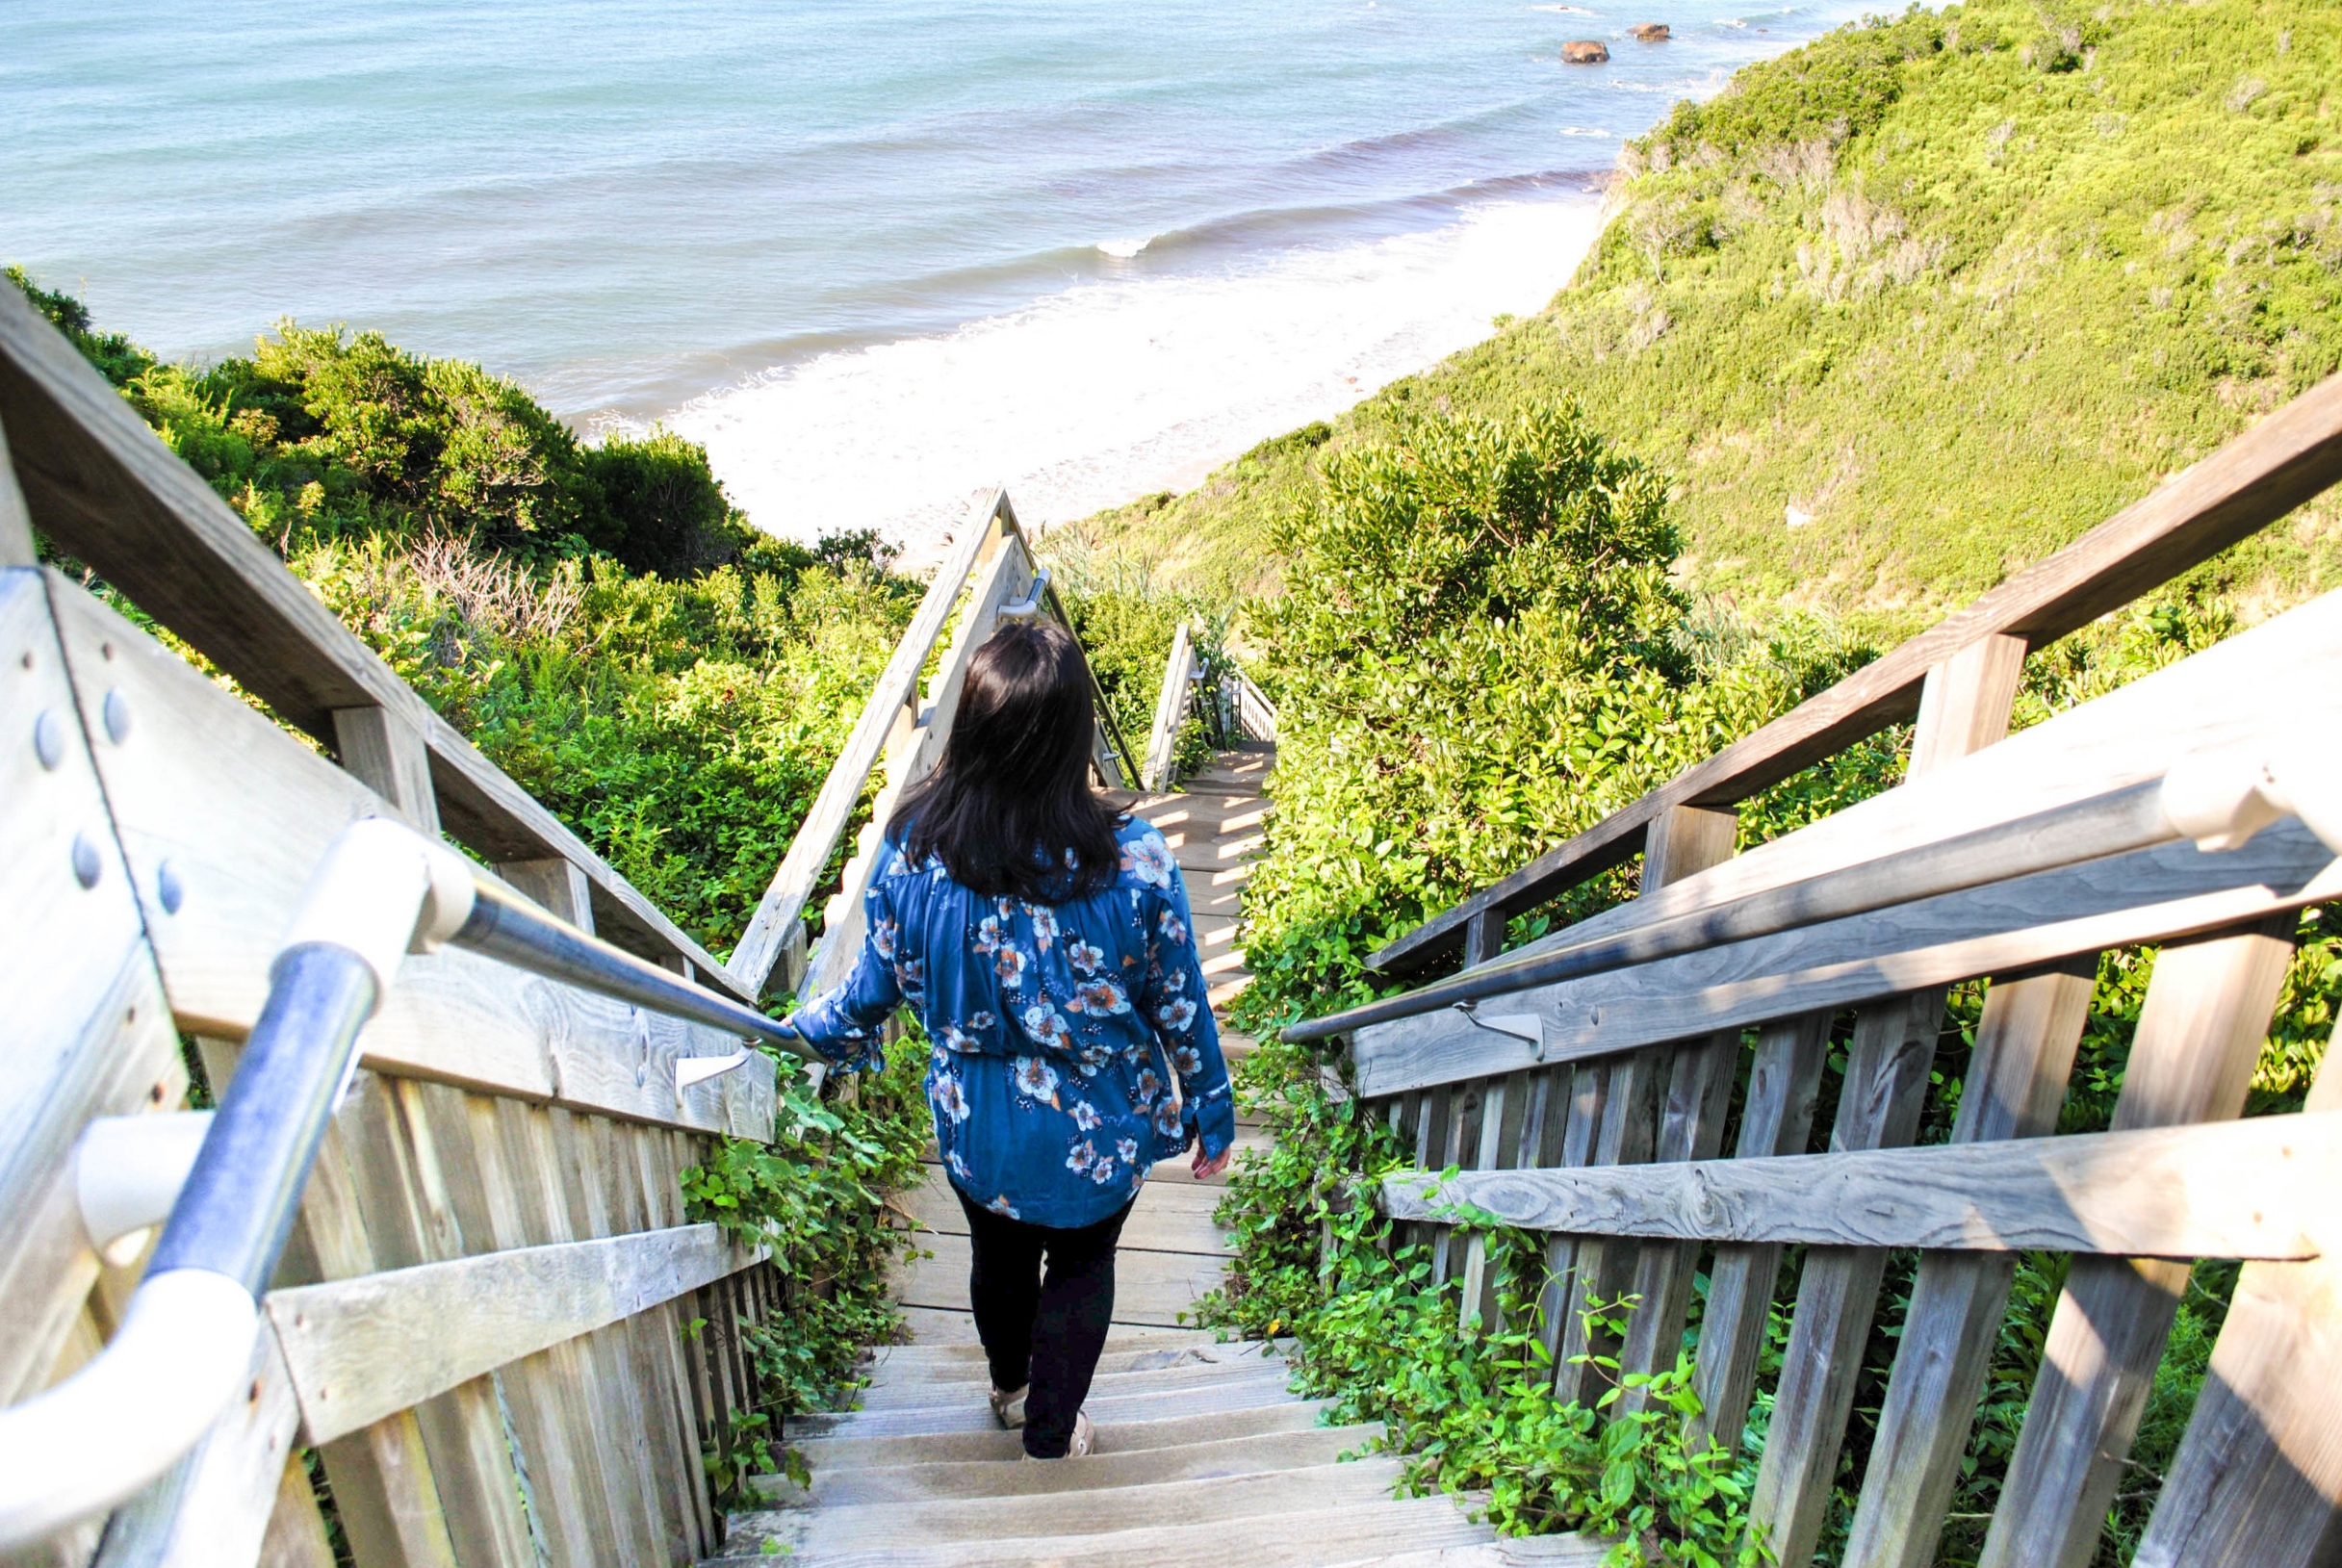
{"x":1776,"y":1117}
{"x":1484,"y":939}
{"x":2199,"y":1034}
{"x":1603,"y":1266}
{"x":1499,"y":1148}
{"x":403,"y":1194}
{"x":1458,"y":1137}
{"x":656,"y":1167}
{"x":1964,"y":706}
{"x":404,"y":1190}
{"x":1878,"y":1107}
{"x":1684,"y":840}
{"x":1690,"y":1127}
{"x":2015,"y":1082}
{"x":2257,"y":1481}
{"x":1582,"y":1086}
{"x":381,"y":1475}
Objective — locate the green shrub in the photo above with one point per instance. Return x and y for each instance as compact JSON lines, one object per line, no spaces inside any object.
{"x":1479,"y":655}
{"x":326,"y":434}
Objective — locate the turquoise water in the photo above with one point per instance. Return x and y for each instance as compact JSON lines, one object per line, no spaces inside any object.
{"x":874,"y":253}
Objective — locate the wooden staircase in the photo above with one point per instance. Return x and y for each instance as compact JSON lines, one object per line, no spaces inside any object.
{"x":1204,"y":1453}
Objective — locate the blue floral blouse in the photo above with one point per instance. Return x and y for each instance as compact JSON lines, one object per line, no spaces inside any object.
{"x":1052,"y":1026}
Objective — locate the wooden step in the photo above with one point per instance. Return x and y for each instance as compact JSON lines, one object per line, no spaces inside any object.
{"x":1290,"y":1540}
{"x":994,"y":1478}
{"x":1268,"y":1386}
{"x":813,"y":1436}
{"x":941,"y":1331}
{"x":809,"y":1533}
{"x":894,"y":1365}
{"x":912,"y":1391}
{"x":1571,"y":1550}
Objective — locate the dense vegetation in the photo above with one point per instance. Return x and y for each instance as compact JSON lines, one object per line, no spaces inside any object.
{"x":1918,"y":302}
{"x":1479,"y":653}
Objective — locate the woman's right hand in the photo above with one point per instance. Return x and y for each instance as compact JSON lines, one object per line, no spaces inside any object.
{"x":1206,"y":1168}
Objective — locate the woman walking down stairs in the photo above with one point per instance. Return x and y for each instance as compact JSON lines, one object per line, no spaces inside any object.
{"x":1204,"y":1453}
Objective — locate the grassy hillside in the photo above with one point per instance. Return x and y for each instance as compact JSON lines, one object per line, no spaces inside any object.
{"x":1919,"y":303}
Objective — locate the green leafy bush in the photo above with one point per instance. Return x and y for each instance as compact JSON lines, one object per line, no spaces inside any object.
{"x":326,"y":434}
{"x":1479,"y":655}
{"x":816,"y":1196}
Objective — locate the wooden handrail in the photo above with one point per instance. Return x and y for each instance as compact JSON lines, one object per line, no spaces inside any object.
{"x":103,"y":486}
{"x":1171,"y":703}
{"x":778,"y":926}
{"x":2248,"y":483}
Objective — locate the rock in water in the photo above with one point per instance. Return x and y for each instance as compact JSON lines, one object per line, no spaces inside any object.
{"x":1585,"y":52}
{"x":1649,"y":32}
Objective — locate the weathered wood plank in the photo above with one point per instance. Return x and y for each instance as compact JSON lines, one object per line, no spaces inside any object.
{"x":1878,"y":1108}
{"x":411,"y":1219}
{"x":2200,"y":1033}
{"x":17,"y":547}
{"x":383,"y":751}
{"x":2169,"y":1193}
{"x":2252,"y":482}
{"x":2153,"y":895}
{"x":824,"y":823}
{"x":1777,"y":1117}
{"x":1583,"y":1088}
{"x":1171,"y":709}
{"x":2015,"y":1082}
{"x":381,"y":1478}
{"x":1602,"y":1267}
{"x":240,"y":814}
{"x":104,"y":487}
{"x":2257,"y":1481}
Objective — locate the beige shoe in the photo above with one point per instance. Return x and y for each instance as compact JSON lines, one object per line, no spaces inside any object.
{"x":1085,"y":1439}
{"x":1008,"y":1406}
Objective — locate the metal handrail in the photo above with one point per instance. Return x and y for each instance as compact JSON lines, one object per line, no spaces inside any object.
{"x":186,"y":1343}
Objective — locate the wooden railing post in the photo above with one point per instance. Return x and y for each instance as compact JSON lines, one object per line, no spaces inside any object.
{"x":469,"y":1468}
{"x":2199,"y":1035}
{"x":2257,"y":1481}
{"x":1964,"y":705}
{"x":1776,"y":1117}
{"x":388,"y":754}
{"x":2015,"y":1084}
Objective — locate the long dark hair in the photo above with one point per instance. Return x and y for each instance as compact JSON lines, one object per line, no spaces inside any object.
{"x":1009,"y":810}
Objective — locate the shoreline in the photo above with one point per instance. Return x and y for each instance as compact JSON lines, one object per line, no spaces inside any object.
{"x":1114,"y":388}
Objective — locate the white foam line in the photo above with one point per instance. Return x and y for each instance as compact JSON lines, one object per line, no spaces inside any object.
{"x":1113,"y":389}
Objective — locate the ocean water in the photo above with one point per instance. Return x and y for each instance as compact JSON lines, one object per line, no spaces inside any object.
{"x":878,"y":254}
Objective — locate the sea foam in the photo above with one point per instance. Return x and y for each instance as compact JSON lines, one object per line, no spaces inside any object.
{"x":1114,"y":388}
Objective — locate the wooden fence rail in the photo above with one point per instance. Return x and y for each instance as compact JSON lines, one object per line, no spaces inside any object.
{"x":1596,"y":1111}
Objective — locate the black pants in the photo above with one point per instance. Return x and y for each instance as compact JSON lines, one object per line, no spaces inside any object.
{"x":1042,"y":1331}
